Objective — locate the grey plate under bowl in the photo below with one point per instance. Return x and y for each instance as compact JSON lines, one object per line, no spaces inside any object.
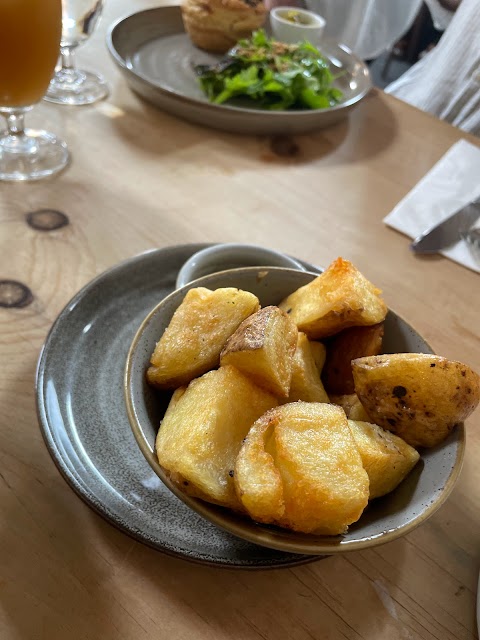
{"x":83,"y":418}
{"x":156,"y":57}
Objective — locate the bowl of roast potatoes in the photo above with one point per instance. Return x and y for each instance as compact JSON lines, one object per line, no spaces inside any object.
{"x":295,"y":410}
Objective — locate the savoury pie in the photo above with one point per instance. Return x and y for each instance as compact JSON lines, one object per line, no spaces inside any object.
{"x":216,"y":25}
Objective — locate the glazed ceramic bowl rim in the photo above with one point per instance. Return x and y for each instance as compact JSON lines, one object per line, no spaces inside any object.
{"x":190,"y":266}
{"x":262,"y":536}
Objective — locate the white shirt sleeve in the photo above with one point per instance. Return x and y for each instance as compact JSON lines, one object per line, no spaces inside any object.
{"x":446,"y":82}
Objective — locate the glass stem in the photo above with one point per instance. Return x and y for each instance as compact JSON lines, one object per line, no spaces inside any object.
{"x":16,"y":121}
{"x":15,"y":140}
{"x":68,"y":58}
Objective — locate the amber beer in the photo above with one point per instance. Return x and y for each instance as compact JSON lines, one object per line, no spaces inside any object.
{"x":30,"y":33}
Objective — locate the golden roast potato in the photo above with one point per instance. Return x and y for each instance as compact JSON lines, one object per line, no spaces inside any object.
{"x":300,"y":468}
{"x":338,"y":298}
{"x":262,"y":348}
{"x":418,"y":396}
{"x":319,"y":353}
{"x":177,"y":394}
{"x":201,"y":434}
{"x":344,"y":347}
{"x":191,"y":344}
{"x":386,"y":458}
{"x":305,"y":383}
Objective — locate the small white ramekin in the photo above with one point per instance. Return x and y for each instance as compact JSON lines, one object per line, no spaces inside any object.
{"x":293,"y":32}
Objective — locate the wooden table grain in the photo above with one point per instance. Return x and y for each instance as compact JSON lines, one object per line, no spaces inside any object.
{"x":140,"y":179}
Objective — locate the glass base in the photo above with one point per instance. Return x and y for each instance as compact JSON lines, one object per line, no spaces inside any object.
{"x":76,"y":87}
{"x":35,"y":155}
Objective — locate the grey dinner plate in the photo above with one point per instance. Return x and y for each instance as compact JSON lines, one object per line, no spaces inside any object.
{"x":83,"y":418}
{"x":156,"y":57}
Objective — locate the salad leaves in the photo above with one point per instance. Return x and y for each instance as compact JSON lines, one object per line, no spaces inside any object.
{"x":273,"y":74}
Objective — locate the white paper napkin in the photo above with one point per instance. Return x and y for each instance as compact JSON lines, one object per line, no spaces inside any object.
{"x":452,"y":183}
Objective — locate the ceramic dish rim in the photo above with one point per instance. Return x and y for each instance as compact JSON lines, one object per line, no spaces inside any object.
{"x":209,"y":106}
{"x":261,"y":538}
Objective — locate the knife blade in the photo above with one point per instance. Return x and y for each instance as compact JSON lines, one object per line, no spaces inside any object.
{"x":443,"y":235}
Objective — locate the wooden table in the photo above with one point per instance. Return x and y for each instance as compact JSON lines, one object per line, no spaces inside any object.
{"x":141,"y":179}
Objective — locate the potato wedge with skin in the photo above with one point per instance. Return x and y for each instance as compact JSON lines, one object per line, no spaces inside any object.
{"x":305,"y":383}
{"x":386,"y":458}
{"x":191,"y":344}
{"x":344,"y":347}
{"x":352,"y":406}
{"x":340,"y":297}
{"x":201,"y":435}
{"x":319,"y":353}
{"x":262,"y":348}
{"x":418,"y":396}
{"x":300,"y":468}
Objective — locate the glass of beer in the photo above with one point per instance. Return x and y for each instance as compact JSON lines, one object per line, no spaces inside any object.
{"x":71,"y":85}
{"x":29,"y":44}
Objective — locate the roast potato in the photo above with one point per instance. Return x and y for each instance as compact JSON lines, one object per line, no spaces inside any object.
{"x":262,"y":348}
{"x":177,"y":394}
{"x":386,"y":458}
{"x":300,"y":468}
{"x":192,"y":342}
{"x":319,"y":354}
{"x":344,"y":347}
{"x":340,"y":297}
{"x":352,"y":406}
{"x":418,"y":396}
{"x":201,"y":434}
{"x":305,"y":383}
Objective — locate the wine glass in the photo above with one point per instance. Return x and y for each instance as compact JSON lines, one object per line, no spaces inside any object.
{"x":71,"y":85}
{"x":29,"y":42}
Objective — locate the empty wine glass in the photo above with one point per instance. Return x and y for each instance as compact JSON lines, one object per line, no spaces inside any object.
{"x":29,"y":42}
{"x":71,"y":85}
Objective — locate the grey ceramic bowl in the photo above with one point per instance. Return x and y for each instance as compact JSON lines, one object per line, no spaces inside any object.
{"x":385,"y":519}
{"x":221,"y":257}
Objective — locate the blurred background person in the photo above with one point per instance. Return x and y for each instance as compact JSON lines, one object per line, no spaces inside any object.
{"x":367,"y":27}
{"x":446,"y":81}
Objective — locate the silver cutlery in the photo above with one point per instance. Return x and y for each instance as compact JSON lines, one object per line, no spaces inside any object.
{"x":449,"y":231}
{"x":472,"y":238}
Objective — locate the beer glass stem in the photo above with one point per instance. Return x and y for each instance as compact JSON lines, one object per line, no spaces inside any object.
{"x":27,"y":154}
{"x":15,"y":139}
{"x":16,"y":122}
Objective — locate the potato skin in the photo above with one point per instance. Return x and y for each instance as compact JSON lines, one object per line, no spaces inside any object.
{"x":203,"y":429}
{"x":356,"y":342}
{"x":263,"y":348}
{"x":299,"y":468}
{"x":340,"y":297}
{"x":191,"y":344}
{"x":420,"y":397}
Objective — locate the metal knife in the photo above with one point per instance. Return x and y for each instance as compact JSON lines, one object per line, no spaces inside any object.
{"x":447,"y":232}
